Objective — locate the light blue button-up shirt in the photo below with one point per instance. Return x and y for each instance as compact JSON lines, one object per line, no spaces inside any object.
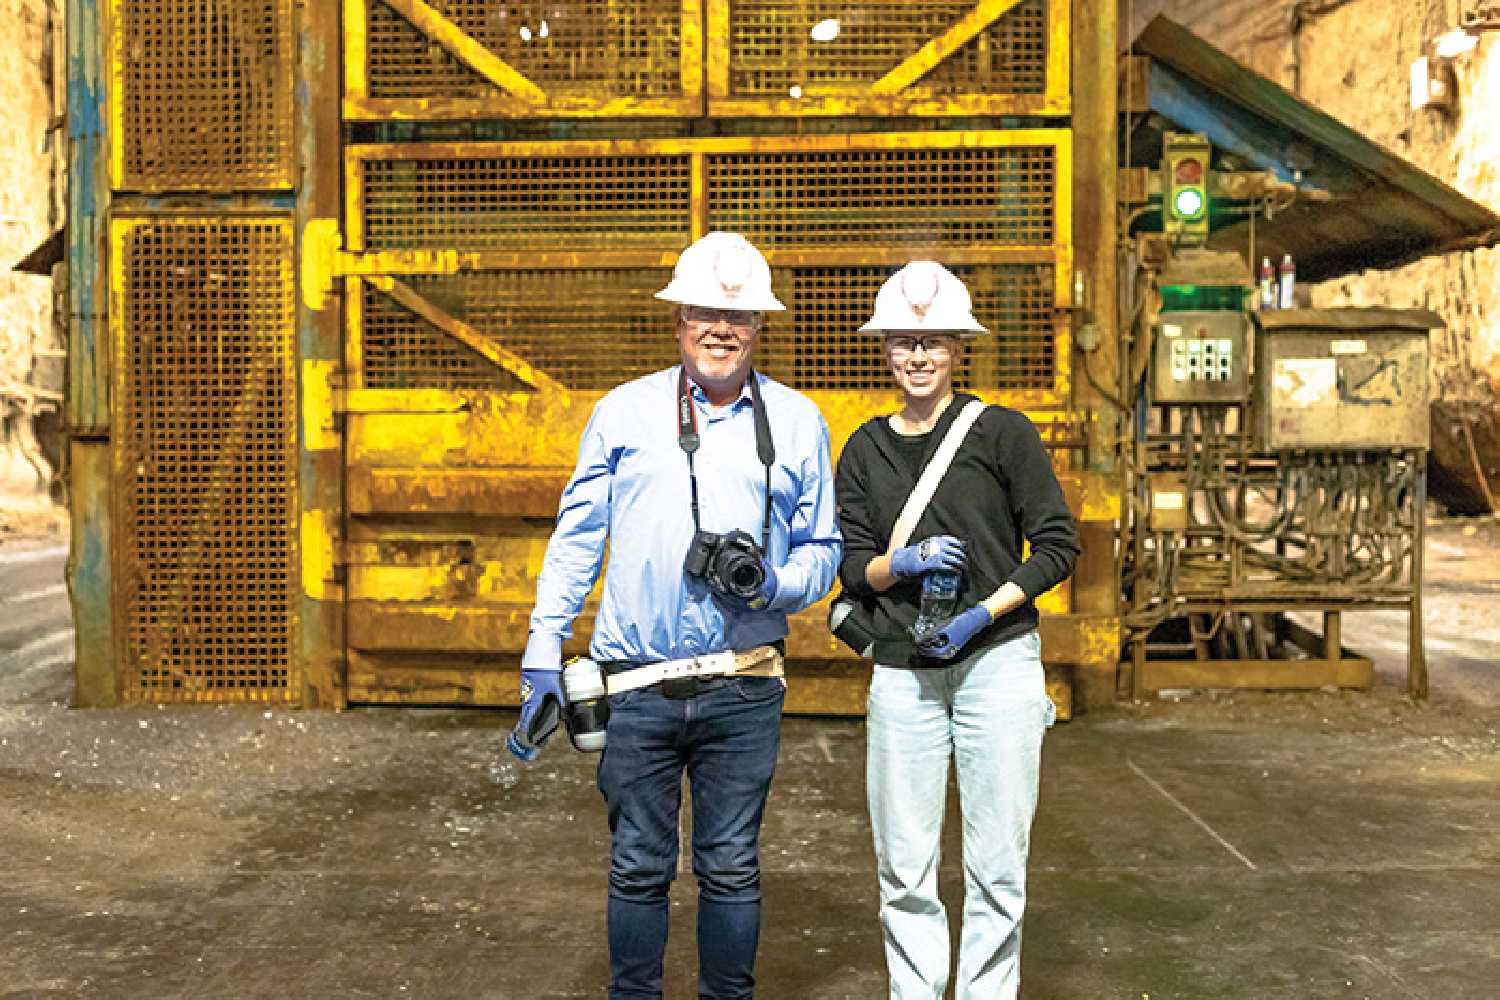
{"x":631,"y":490}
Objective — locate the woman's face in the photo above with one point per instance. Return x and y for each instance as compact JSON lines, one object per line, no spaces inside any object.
{"x":922,"y":362}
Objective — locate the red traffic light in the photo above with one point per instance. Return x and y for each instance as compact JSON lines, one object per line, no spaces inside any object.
{"x":1189,"y":171}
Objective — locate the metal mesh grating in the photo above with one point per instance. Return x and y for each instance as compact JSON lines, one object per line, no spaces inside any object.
{"x":907,"y":196}
{"x":588,"y":329}
{"x":206,"y":449}
{"x":404,"y":351}
{"x":206,"y":94}
{"x":594,"y":49}
{"x":1009,"y":57}
{"x":592,"y":330}
{"x":771,"y":50}
{"x":818,"y":347}
{"x":528,"y":203}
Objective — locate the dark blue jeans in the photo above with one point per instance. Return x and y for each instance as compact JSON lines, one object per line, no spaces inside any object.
{"x":726,"y":739}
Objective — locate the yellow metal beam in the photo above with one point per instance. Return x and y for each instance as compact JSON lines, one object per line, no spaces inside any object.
{"x":915,"y":140}
{"x":718,"y":46}
{"x":470,"y":337}
{"x":927,"y":58}
{"x":699,"y":194}
{"x":467,"y":50}
{"x":500,"y":105}
{"x":690,"y":53}
{"x":413,"y":262}
{"x":1258,"y":675}
{"x":1060,"y":31}
{"x":813,"y":104}
{"x":356,"y":45}
{"x":420,"y":262}
{"x":519,"y":491}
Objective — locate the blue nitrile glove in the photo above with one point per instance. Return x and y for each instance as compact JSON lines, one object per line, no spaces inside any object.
{"x":946,"y":642}
{"x":936,"y":552}
{"x":768,"y":589}
{"x":541,"y":696}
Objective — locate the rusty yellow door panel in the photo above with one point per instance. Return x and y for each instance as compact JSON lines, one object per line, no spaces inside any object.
{"x":517,"y":492}
{"x":494,"y":291}
{"x":485,"y":430}
{"x":495,"y":567}
{"x":895,"y":57}
{"x":466,"y":585}
{"x":409,"y":59}
{"x":449,"y":680}
{"x":488,"y":437}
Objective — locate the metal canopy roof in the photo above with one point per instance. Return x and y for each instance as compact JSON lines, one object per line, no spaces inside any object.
{"x":1382,"y":212}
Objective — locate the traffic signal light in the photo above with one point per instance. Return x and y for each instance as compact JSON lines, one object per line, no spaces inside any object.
{"x":1184,"y":209}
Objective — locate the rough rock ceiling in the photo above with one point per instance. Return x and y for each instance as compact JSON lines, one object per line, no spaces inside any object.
{"x":1227,"y":23}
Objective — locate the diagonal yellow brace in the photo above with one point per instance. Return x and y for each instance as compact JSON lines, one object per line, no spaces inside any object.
{"x":468,"y":51}
{"x":468,"y":336}
{"x":927,"y":58}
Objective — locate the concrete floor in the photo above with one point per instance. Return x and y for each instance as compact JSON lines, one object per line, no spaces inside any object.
{"x":1250,"y":846}
{"x":1186,"y":851}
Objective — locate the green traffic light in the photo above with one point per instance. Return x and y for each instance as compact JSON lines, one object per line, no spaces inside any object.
{"x":1188,"y":203}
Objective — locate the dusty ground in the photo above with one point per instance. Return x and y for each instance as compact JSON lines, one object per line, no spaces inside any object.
{"x":1247,"y":846}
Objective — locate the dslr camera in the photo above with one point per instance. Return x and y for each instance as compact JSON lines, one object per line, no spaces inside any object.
{"x":730,"y":564}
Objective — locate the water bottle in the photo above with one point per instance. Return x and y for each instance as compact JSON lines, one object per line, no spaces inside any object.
{"x":586,"y":713}
{"x":939,"y":600}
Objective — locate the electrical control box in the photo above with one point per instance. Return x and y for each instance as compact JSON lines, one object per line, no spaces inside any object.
{"x":1342,"y":379}
{"x":1201,"y":357}
{"x":1169,"y":503}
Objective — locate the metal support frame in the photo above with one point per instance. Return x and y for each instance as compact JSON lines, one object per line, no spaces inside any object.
{"x":89,"y":569}
{"x":337,"y":416}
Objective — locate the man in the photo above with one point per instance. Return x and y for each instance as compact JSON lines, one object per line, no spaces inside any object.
{"x":710,"y":446}
{"x":970,"y":689}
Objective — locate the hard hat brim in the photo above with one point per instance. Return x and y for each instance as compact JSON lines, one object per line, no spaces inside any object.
{"x":879,"y":328}
{"x":674,"y":292}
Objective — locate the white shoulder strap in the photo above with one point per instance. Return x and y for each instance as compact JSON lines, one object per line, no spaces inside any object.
{"x":932,"y":475}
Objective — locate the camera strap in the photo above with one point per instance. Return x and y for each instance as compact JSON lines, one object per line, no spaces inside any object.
{"x":688,"y":439}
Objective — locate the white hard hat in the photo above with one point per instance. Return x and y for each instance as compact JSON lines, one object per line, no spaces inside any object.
{"x":722,"y":271}
{"x":923,"y":295}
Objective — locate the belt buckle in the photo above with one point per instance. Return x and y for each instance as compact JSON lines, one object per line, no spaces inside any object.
{"x":679,"y":688}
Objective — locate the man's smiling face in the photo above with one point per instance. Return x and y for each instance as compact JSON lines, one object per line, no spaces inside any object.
{"x":718,"y":346}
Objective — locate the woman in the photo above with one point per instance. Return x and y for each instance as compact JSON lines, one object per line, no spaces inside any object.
{"x":973,"y":689}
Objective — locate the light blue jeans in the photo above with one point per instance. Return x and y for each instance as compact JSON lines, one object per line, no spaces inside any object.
{"x":988,"y":712}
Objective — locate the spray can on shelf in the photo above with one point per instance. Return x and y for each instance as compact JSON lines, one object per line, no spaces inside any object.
{"x":1286,"y":280}
{"x":1267,"y":285}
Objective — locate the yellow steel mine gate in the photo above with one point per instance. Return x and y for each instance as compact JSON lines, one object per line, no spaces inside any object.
{"x":515,"y":182}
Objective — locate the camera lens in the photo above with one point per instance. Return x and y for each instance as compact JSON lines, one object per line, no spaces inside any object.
{"x":745,"y":577}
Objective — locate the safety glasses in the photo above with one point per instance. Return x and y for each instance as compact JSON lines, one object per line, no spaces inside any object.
{"x":740,"y":319}
{"x":936,"y":345}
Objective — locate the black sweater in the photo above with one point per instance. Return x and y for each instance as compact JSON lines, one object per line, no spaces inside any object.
{"x":999,"y":490}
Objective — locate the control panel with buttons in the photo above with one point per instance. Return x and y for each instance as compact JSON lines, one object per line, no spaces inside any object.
{"x":1200,"y":357}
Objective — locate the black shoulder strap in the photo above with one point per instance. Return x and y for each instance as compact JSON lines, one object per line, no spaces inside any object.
{"x":688,"y":440}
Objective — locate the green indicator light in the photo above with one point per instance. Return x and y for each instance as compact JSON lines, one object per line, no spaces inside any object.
{"x":1188,"y":203}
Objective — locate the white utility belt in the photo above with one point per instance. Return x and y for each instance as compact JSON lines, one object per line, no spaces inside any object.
{"x":762,"y":661}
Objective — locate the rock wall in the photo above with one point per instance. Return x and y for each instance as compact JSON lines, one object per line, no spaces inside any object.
{"x":1352,"y":59}
{"x":30,"y":209}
